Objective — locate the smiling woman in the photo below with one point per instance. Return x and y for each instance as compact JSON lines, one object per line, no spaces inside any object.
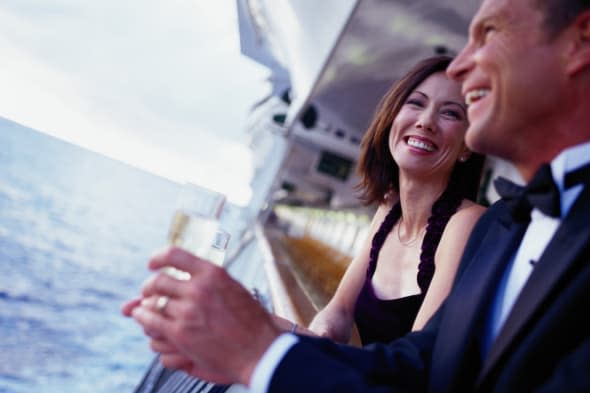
{"x":427,"y":135}
{"x":415,"y":166}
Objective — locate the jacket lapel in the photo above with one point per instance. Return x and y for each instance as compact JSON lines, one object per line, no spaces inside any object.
{"x":567,"y":243}
{"x":470,"y":299}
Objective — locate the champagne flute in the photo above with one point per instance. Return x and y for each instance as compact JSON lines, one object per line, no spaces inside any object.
{"x":195,"y":223}
{"x":216,"y":253}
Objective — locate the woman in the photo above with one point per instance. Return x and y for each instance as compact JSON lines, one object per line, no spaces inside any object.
{"x":416,"y":167}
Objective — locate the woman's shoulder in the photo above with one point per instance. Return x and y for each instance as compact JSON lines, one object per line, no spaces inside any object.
{"x":469,"y":207}
{"x":458,"y":230}
{"x":468,"y":212}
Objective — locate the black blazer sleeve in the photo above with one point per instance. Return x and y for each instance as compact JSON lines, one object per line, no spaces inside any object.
{"x":572,"y":374}
{"x":320,"y":365}
{"x":479,"y":231}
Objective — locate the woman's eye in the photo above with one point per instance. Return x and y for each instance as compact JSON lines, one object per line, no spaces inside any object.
{"x":452,"y":114}
{"x":415,"y":102}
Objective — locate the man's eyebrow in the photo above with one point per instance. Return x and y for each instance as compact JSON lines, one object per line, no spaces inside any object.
{"x":476,"y":27}
{"x":492,"y":16}
{"x":475,"y":24}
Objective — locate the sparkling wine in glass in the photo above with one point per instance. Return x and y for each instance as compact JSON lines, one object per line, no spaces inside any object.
{"x":195,"y":223}
{"x":216,"y":252}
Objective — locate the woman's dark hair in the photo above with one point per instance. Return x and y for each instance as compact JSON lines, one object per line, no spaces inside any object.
{"x":378,"y":171}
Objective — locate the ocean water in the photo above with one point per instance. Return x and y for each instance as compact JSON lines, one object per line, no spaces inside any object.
{"x":76,"y":231}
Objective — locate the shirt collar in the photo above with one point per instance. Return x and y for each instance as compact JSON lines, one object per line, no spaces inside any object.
{"x":568,"y":160}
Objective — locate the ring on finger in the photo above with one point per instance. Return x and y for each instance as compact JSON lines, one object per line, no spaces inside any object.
{"x":161,"y":303}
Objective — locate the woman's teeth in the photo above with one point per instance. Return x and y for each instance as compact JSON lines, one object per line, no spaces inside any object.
{"x":420,"y":144}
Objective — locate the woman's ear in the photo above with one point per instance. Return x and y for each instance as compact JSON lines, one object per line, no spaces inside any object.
{"x":464,"y":156}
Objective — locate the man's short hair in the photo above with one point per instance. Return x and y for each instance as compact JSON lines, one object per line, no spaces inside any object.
{"x":558,"y":14}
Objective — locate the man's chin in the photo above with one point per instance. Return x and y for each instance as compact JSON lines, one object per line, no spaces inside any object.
{"x":482,"y":136}
{"x":475,"y":138}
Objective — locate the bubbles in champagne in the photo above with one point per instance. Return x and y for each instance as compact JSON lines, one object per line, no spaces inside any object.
{"x":198,"y":235}
{"x":192,"y":232}
{"x":177,"y":229}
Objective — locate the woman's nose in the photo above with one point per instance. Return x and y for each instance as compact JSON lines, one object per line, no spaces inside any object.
{"x":426,"y":121}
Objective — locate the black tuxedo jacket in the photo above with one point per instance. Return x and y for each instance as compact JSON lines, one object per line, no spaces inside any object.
{"x":543,"y":346}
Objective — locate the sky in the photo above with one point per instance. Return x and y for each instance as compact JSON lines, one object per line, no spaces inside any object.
{"x":160,"y":85}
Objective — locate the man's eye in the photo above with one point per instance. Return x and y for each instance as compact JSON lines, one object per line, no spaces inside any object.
{"x":487,"y":30}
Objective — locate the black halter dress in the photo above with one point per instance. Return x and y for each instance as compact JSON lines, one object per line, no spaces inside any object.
{"x":381,"y":320}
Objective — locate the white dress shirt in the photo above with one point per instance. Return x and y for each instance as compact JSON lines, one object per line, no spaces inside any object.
{"x":270,"y":360}
{"x":536,"y":238}
{"x":538,"y":234}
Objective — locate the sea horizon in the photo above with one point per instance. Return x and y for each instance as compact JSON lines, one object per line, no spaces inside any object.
{"x":76,"y":231}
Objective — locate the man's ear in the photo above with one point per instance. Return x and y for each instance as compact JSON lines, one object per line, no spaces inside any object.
{"x":579,"y":54}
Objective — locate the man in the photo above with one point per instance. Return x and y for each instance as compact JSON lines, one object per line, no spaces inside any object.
{"x":515,"y":320}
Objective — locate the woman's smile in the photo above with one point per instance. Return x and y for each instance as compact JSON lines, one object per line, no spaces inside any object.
{"x":421,"y":144}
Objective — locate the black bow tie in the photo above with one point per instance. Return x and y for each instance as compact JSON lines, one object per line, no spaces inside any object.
{"x":541,"y":192}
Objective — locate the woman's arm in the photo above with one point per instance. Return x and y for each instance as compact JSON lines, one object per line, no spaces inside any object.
{"x":288,"y":326}
{"x":336,"y":320}
{"x":447,"y":257}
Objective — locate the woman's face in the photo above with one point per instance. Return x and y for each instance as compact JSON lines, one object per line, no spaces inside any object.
{"x":426,"y":137}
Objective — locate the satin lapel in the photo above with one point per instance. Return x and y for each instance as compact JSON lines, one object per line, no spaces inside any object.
{"x":470,"y":297}
{"x":571,"y":237}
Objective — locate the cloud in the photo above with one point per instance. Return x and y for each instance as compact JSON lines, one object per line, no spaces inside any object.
{"x":166,"y":76}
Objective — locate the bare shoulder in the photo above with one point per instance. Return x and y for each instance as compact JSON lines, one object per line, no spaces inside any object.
{"x":457,"y":232}
{"x":466,"y":216}
{"x":468,"y":212}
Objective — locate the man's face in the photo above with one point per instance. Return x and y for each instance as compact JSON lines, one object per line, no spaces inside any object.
{"x":510,"y":78}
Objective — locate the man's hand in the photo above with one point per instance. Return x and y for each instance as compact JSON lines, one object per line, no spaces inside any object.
{"x":209,"y":319}
{"x":175,"y":359}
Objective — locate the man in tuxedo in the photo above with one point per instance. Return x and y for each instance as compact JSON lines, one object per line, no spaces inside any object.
{"x":515,"y":320}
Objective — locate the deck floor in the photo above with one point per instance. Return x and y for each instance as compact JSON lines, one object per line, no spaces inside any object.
{"x":309,"y":269}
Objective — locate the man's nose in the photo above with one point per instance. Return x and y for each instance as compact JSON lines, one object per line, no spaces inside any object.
{"x":460,"y":65}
